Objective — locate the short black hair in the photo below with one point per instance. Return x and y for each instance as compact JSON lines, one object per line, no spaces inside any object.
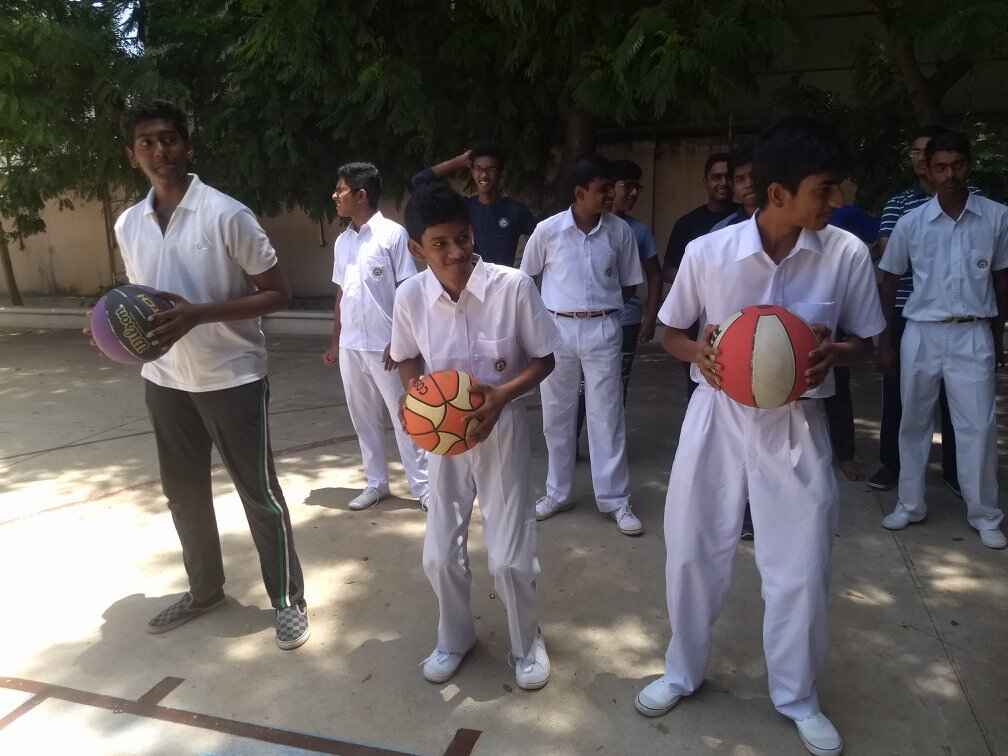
{"x":151,"y":110}
{"x":792,"y":150}
{"x":929,"y":131}
{"x":947,"y":140}
{"x":362,"y":176}
{"x":486,"y":149}
{"x":740,"y":156}
{"x":717,"y":157}
{"x":432,"y":204}
{"x":589,"y":168}
{"x":625,"y":170}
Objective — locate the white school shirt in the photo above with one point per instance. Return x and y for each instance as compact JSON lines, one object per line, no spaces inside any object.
{"x":497,"y":325}
{"x":952,"y":259}
{"x":826,"y":279}
{"x":580,"y":271}
{"x":368,"y":264}
{"x":212,"y":243}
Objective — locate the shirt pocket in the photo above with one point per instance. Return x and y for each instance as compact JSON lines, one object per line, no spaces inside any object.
{"x":495,"y":360}
{"x":816,"y":313}
{"x":978,"y":264}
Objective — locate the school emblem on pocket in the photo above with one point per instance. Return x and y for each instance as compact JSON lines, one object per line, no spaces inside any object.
{"x":500,"y":365}
{"x":609,"y":272}
{"x":377,"y":271}
{"x":982,"y":264}
{"x":503,"y":223}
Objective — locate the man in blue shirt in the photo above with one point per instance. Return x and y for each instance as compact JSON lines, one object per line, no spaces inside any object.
{"x":498,"y":222}
{"x":840,"y":406}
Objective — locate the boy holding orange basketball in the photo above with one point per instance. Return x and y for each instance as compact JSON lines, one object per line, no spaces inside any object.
{"x":488,"y":321}
{"x":780,"y":458}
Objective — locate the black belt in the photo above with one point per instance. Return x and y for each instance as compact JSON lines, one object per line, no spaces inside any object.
{"x":585,"y":314}
{"x":962,"y":319}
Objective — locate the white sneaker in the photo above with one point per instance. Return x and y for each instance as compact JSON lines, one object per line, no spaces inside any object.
{"x":368,"y":497}
{"x":547,"y":506}
{"x":441,"y":666}
{"x":657,"y":698}
{"x":819,"y":736}
{"x":993,"y":539}
{"x":533,"y":672}
{"x":899,"y":519}
{"x":423,"y":501}
{"x":627,"y":522}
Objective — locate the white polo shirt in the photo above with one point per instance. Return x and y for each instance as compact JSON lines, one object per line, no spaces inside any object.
{"x":952,"y":258}
{"x":497,"y":325}
{"x":368,"y":265}
{"x":826,"y":279}
{"x":212,"y":243}
{"x":583,"y":272}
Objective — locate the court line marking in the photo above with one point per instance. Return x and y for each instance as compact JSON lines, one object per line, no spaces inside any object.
{"x":462,"y":743}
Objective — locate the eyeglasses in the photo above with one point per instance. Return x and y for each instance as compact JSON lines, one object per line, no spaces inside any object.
{"x":629,"y":185}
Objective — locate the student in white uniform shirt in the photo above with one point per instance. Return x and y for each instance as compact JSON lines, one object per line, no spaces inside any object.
{"x":957,"y":245}
{"x":370,"y":259}
{"x":588,"y":260}
{"x":780,"y":458}
{"x":489,"y":321}
{"x":209,"y":254}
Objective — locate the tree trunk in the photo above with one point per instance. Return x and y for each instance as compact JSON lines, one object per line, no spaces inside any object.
{"x":579,"y":140}
{"x":925,"y":102}
{"x":8,"y":268}
{"x":110,"y":243}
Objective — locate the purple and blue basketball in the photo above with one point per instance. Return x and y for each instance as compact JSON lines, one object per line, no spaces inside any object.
{"x":119,"y":324}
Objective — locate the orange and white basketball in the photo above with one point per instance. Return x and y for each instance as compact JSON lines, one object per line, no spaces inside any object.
{"x":764,"y":353}
{"x":439,"y":412}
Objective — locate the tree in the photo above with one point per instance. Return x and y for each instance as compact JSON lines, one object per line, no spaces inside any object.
{"x":62,"y":71}
{"x":951,"y":37}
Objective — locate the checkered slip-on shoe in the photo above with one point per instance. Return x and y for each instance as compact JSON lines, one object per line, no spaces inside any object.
{"x":292,"y":627}
{"x":181,"y":612}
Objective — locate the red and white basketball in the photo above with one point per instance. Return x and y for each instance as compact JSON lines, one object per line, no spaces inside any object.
{"x":764,"y":353}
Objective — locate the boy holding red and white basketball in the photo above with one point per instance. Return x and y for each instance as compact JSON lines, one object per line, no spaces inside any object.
{"x":488,"y":321}
{"x":780,"y":458}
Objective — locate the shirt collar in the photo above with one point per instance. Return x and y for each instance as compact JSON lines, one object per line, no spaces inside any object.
{"x":934,"y":209}
{"x":567,"y":221}
{"x":751,"y":243}
{"x":371,"y":223}
{"x":190,"y":200}
{"x":476,"y":285}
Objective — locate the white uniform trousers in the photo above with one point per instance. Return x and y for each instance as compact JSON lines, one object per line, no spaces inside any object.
{"x":781,"y":460}
{"x":369,"y":391}
{"x":592,"y":347}
{"x":963,"y":355}
{"x":496,"y":471}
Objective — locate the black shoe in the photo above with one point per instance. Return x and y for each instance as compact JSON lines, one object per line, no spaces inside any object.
{"x":883,"y":480}
{"x":747,"y":533}
{"x":180,"y":612}
{"x":953,"y":486}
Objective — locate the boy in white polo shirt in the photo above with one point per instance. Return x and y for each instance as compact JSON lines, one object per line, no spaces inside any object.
{"x":209,"y":254}
{"x":781,"y":459}
{"x":587,"y":257}
{"x":489,"y":321}
{"x":370,"y":259}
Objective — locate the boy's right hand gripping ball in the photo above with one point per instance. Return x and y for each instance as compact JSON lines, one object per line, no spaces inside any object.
{"x":438,"y":412}
{"x":764,"y":353}
{"x":119,"y":324}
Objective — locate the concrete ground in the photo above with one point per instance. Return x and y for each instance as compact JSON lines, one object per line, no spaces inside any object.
{"x":88,"y":553}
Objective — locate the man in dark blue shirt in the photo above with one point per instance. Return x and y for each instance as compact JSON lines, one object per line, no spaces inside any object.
{"x":498,"y":222}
